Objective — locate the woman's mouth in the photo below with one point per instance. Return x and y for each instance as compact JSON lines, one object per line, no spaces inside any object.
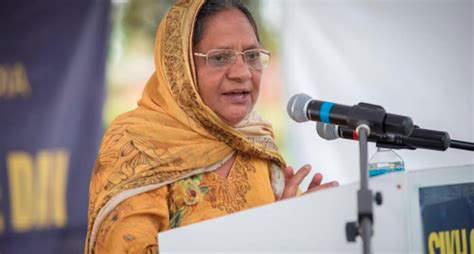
{"x":237,"y":97}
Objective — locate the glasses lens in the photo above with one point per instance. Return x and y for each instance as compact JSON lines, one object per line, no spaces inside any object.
{"x":220,"y":58}
{"x":257,"y":58}
{"x":254,"y":58}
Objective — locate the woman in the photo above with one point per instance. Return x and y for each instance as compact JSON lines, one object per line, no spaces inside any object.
{"x":193,"y":149}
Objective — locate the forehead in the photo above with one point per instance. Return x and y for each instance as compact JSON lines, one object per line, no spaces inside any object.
{"x":228,"y":29}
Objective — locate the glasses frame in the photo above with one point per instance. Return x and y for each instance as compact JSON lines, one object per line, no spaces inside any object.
{"x":237,"y":53}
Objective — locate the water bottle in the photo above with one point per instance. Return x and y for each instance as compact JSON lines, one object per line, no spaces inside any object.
{"x":384,"y":161}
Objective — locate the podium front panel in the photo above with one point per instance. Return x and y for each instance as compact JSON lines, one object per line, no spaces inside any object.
{"x":316,"y":222}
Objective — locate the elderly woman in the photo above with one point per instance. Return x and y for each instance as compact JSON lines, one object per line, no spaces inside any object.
{"x":193,"y":149}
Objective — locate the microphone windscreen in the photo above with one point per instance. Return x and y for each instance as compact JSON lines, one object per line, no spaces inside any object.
{"x":297,"y":107}
{"x":327,"y":131}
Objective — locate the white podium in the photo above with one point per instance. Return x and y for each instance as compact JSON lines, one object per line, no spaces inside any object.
{"x":315,"y":223}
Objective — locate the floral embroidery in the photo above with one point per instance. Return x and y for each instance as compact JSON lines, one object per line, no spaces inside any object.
{"x":225,"y":195}
{"x":230,"y":195}
{"x":184,"y":196}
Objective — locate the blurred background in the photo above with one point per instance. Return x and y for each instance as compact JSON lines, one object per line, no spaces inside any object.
{"x":68,"y":68}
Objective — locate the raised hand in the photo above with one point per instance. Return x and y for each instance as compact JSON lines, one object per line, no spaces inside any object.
{"x":293,"y":180}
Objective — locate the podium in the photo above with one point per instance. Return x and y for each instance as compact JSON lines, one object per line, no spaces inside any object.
{"x":315,"y":223}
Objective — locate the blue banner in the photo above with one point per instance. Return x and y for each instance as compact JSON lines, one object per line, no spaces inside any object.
{"x":447,"y":214}
{"x":52,"y":84}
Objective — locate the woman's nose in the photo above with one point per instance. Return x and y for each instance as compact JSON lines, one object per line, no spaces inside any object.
{"x":239,"y":69}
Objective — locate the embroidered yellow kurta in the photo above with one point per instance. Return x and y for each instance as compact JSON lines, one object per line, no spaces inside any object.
{"x":194,"y":199}
{"x":172,"y":140}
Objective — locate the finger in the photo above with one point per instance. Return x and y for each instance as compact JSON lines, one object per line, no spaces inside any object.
{"x":323,"y":186}
{"x":292,"y":186}
{"x":317,"y":179}
{"x":289,"y":172}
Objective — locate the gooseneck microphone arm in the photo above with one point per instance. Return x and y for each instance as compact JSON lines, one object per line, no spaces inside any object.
{"x":462,"y":145}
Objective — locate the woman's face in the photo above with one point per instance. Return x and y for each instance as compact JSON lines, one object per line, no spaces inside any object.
{"x":230,"y":92}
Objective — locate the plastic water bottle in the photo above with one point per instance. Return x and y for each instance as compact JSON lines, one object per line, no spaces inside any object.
{"x":384,"y":161}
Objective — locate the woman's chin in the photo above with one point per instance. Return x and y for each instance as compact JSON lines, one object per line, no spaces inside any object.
{"x":232,"y":118}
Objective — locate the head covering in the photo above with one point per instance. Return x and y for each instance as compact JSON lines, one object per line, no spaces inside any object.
{"x":172,"y":134}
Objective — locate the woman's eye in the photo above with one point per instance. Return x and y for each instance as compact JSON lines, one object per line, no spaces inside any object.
{"x":252,"y":56}
{"x":219,"y":58}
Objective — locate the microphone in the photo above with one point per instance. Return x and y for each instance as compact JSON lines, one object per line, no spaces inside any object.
{"x":419,"y":138}
{"x":302,"y":108}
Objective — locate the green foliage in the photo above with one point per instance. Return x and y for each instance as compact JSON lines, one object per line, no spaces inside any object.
{"x":139,"y":19}
{"x":267,"y":36}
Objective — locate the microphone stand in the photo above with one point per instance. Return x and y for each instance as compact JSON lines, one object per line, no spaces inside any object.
{"x":364,"y":226}
{"x":365,"y":198}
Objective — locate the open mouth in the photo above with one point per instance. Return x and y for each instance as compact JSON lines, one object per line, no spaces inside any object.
{"x":237,"y":96}
{"x":237,"y":93}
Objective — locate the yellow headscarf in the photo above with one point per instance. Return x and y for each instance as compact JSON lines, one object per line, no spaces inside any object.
{"x":172,"y":134}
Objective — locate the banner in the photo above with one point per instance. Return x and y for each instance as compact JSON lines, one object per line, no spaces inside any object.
{"x":447,"y":214}
{"x":52,"y":83}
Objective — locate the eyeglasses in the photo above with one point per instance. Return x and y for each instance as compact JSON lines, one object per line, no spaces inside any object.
{"x":256,"y":59}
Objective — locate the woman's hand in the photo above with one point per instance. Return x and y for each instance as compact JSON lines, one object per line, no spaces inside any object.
{"x":293,"y":180}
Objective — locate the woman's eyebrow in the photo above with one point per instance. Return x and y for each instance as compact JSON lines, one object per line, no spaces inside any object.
{"x":252,"y":46}
{"x":246,"y":47}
